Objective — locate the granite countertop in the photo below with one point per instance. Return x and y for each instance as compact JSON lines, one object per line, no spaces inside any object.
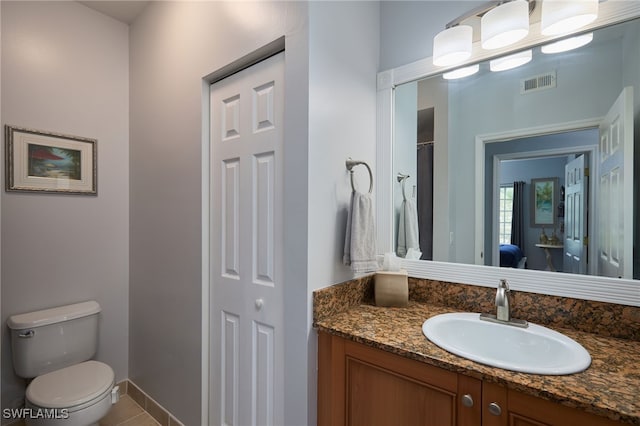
{"x":609,"y":387}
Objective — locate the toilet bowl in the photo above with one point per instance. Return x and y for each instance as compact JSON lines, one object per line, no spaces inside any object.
{"x":78,"y":395}
{"x":55,"y":347}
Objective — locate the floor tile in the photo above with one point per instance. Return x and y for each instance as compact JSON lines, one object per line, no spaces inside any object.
{"x":121,"y":411}
{"x":143,"y":419}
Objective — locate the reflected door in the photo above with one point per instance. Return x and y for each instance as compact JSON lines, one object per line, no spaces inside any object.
{"x":247,"y":346}
{"x":575,"y":242}
{"x":615,"y":189}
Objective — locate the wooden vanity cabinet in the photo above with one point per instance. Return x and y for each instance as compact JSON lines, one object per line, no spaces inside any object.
{"x":363,"y":386}
{"x":526,"y":410}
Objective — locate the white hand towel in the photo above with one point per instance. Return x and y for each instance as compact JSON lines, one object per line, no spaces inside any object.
{"x":360,"y":238}
{"x":408,"y":232}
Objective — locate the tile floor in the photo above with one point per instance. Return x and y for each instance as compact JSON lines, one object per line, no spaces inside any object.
{"x":126,"y":412}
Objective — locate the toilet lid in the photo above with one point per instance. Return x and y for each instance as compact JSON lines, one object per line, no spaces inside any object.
{"x":71,"y":386}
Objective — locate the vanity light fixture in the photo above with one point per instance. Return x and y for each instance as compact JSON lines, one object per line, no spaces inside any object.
{"x":505,"y":24}
{"x":565,"y":16}
{"x":461,"y":72}
{"x":511,"y":61}
{"x":567,"y":44}
{"x":452,"y":46}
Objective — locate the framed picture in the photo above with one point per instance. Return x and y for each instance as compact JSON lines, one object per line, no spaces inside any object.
{"x":49,"y":162}
{"x":544,"y":195}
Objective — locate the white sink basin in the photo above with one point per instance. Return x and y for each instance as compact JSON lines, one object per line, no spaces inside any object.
{"x":536,"y":349}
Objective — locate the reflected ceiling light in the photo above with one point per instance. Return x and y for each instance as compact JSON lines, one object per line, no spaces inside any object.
{"x":452,"y":46}
{"x":506,"y":24}
{"x":461,"y":72}
{"x":567,"y":44}
{"x":564,"y":16}
{"x":511,"y":61}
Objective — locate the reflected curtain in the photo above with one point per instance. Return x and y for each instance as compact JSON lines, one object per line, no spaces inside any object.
{"x":425,"y":199}
{"x":517,"y":217}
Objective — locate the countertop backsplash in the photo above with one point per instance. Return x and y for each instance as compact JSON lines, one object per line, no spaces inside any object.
{"x":605,"y":319}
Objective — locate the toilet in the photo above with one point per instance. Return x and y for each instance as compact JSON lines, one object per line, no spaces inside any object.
{"x":54,"y":347}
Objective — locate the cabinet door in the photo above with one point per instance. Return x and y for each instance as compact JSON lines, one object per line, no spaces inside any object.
{"x":380,"y":395}
{"x":506,"y":407}
{"x":363,"y":386}
{"x":526,"y":410}
{"x":494,"y":405}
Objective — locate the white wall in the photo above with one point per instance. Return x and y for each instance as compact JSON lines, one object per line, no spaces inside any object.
{"x":343,"y":62}
{"x":407,"y":28}
{"x":65,"y":69}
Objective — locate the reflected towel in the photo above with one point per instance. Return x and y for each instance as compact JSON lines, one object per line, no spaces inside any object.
{"x":360,"y":237}
{"x":408,"y":233}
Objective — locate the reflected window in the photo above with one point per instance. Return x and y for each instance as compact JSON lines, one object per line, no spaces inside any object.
{"x":505,"y":213}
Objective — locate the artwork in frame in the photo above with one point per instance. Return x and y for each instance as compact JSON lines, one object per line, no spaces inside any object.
{"x":544,"y":201}
{"x":38,"y":161}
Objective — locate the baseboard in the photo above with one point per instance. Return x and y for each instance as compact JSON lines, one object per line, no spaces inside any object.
{"x":148,"y":404}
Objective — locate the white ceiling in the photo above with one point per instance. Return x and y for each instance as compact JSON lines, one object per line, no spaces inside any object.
{"x":122,"y":10}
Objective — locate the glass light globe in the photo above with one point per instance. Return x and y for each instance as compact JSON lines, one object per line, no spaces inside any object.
{"x":565,"y":16}
{"x":505,"y":24}
{"x":452,"y":46}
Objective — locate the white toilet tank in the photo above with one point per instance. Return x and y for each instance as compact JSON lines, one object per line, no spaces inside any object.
{"x":50,"y":339}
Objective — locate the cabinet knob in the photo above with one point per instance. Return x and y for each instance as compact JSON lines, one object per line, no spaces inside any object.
{"x":259,"y":304}
{"x":467,"y":400}
{"x":495,"y":409}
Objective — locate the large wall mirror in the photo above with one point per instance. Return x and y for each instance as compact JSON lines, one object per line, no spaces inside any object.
{"x":526,"y":173}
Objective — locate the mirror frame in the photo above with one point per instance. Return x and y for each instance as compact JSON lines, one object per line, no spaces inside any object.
{"x":588,"y":287}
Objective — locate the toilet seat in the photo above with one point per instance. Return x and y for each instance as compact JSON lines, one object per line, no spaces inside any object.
{"x":74,"y":388}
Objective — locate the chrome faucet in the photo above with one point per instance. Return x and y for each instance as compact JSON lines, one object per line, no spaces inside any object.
{"x":502,"y":302}
{"x":503,"y":309}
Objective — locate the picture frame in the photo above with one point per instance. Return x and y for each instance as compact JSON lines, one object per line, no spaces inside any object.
{"x":47,"y":162}
{"x":544,"y":202}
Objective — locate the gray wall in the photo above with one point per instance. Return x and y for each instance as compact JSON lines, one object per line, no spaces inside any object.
{"x":343,"y":64}
{"x":173,"y":46}
{"x":330,"y":70}
{"x":407,"y":28}
{"x":405,"y":154}
{"x":65,"y":69}
{"x":331,"y":64}
{"x":491,"y":103}
{"x":631,"y":71}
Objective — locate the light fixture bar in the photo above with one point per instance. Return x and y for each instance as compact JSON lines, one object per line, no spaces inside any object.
{"x":484,"y":8}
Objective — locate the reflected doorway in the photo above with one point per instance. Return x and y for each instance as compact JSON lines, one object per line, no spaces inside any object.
{"x":514,"y":170}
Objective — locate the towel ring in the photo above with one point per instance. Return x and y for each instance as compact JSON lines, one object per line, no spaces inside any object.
{"x":403,"y":179}
{"x":351,"y":164}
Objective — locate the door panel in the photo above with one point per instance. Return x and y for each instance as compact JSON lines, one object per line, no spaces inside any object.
{"x":615,"y":189}
{"x":576,"y":190}
{"x":247,"y":346}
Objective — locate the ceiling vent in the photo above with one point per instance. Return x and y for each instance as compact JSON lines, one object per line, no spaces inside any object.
{"x":538,"y":82}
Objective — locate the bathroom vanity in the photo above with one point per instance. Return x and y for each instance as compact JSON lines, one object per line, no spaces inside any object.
{"x":375,"y":367}
{"x":363,"y":385}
